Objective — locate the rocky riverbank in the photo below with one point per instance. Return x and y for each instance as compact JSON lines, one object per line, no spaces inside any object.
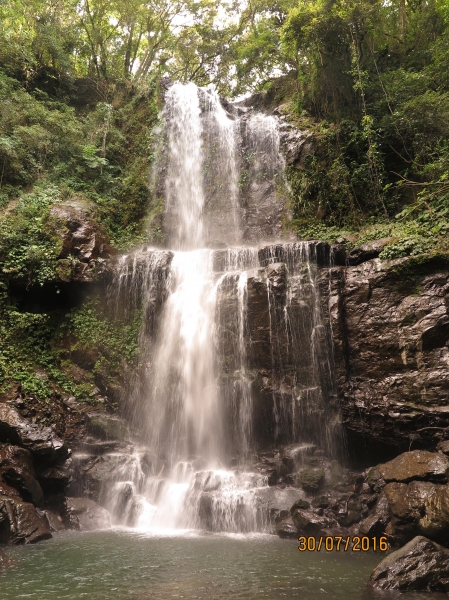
{"x":405,"y":500}
{"x":36,"y":470}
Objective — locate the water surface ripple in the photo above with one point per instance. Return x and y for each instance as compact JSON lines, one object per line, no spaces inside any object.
{"x":112,"y":565}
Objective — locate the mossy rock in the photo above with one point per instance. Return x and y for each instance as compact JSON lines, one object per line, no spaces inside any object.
{"x":64,"y":269}
{"x":374,"y":479}
{"x":312,"y":479}
{"x":303,"y":504}
{"x":320,"y":502}
{"x":108,"y":428}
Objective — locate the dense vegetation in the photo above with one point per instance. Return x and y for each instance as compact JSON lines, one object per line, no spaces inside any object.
{"x":79,"y":98}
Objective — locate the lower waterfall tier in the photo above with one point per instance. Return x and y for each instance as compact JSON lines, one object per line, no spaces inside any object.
{"x":235,"y":351}
{"x":140,"y":493}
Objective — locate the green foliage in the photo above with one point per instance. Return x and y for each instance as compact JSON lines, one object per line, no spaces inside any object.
{"x":317,"y":230}
{"x":36,"y":349}
{"x":22,"y":333}
{"x":35,"y":133}
{"x":407,"y":246}
{"x":112,"y":342}
{"x":28,"y":245}
{"x":373,"y":78}
{"x":336,"y":182}
{"x":29,"y":357}
{"x":105,"y":154}
{"x":90,"y":155}
{"x":118,"y":40}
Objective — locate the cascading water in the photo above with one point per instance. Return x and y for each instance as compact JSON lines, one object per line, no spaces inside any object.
{"x":233,"y":345}
{"x":184,"y":181}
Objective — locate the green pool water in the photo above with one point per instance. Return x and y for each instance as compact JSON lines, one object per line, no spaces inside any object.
{"x":124,"y":564}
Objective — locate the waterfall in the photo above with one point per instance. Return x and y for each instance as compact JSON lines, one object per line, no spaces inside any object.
{"x":184,"y":412}
{"x":184,"y":182}
{"x":234,"y":345}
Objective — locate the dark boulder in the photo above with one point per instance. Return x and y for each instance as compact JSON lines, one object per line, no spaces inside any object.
{"x":372,"y":526}
{"x":42,"y":442}
{"x":85,"y":247}
{"x":375,"y":480}
{"x":82,"y":238}
{"x":285,"y":528}
{"x":312,"y":479}
{"x":367,"y":251}
{"x":308,"y":523}
{"x":54,"y":521}
{"x":56,"y":478}
{"x":320,"y":502}
{"x":421,"y":565}
{"x":16,"y":468}
{"x":417,"y":464}
{"x":21,"y":522}
{"x":301,"y":503}
{"x":417,"y":508}
{"x":8,"y":490}
{"x":443,"y":447}
{"x":349,"y":518}
{"x":84,"y":514}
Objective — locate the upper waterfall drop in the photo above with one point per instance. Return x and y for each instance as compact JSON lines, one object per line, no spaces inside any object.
{"x":184,"y":182}
{"x":222,"y":172}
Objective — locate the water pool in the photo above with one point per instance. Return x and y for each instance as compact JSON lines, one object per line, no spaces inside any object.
{"x":116,"y":564}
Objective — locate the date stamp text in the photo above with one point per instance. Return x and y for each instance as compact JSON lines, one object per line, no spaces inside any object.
{"x":339,"y":543}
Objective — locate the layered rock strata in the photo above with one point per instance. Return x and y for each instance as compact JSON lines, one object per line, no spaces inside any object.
{"x":390,"y":325}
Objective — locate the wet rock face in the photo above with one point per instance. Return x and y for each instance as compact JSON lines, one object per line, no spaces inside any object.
{"x":21,"y":523}
{"x":85,"y":515}
{"x":34,"y":472}
{"x":367,"y":251}
{"x":420,"y":565}
{"x":287,"y":347}
{"x":16,"y":468}
{"x":418,"y":464}
{"x":93,"y":475}
{"x":107,"y":427}
{"x":390,"y":325}
{"x":409,"y":497}
{"x":42,"y":442}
